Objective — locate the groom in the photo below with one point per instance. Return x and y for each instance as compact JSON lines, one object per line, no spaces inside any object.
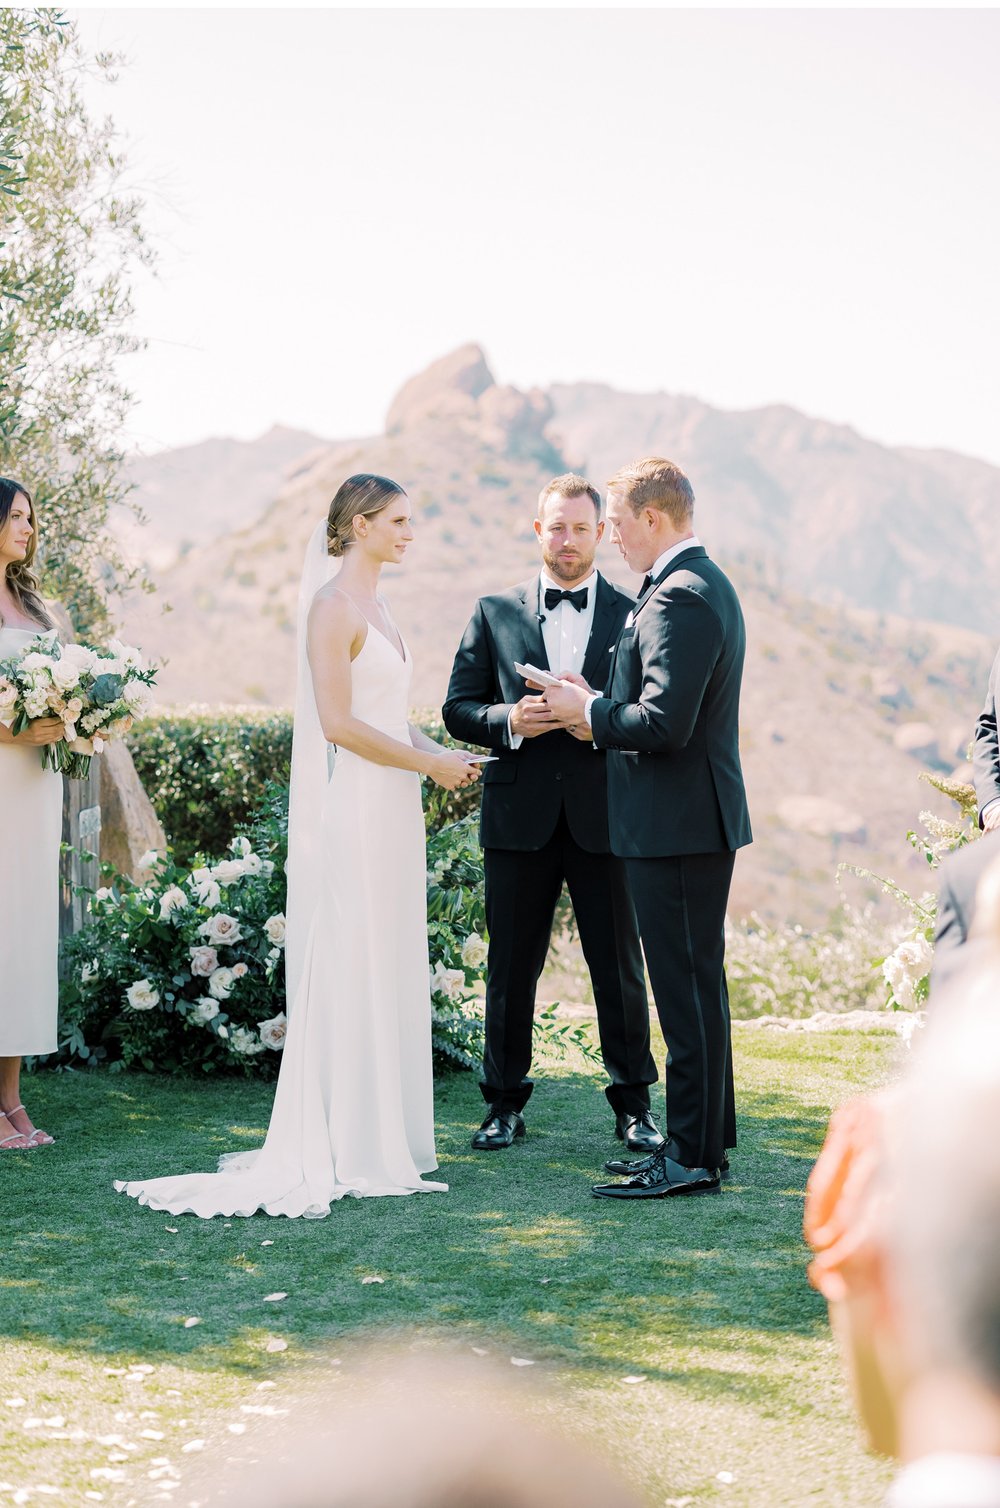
{"x":678,"y":808}
{"x":545,"y":818}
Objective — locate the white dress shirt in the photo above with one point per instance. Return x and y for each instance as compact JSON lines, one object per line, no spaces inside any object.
{"x":565,"y":632}
{"x":947,"y":1480}
{"x":659,"y":565}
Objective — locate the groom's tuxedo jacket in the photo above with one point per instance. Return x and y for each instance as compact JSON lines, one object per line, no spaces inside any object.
{"x":670,"y":717}
{"x":525,"y":790}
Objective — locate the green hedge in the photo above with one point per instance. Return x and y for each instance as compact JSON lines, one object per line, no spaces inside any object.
{"x":206,"y":770}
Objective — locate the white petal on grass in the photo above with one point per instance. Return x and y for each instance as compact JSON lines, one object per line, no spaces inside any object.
{"x":142,"y":1366}
{"x":480,"y":1350}
{"x":275,"y":1344}
{"x":116,"y":1456}
{"x":190,"y":1323}
{"x":15,"y":1403}
{"x":521,"y":1361}
{"x":274,"y":1298}
{"x":725,"y":1476}
{"x":193,"y":1445}
{"x":172,"y":1229}
{"x":32,"y":1424}
{"x":263,"y":1386}
{"x":373,"y":1280}
{"x":267,"y":1243}
{"x":94,"y":1497}
{"x":55,"y":1421}
{"x":114,"y":1371}
{"x":151,"y":1434}
{"x":633,"y":1379}
{"x":237,"y":1429}
{"x":106,"y":1474}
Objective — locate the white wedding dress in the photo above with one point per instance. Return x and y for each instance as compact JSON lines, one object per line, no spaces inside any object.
{"x":353,"y":1110}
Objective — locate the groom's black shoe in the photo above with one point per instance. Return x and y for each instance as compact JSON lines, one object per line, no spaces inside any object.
{"x":662,"y":1178}
{"x":624,"y":1167}
{"x":638,"y":1132}
{"x":500,"y":1129}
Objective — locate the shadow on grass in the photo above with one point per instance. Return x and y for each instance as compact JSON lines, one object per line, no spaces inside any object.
{"x":710,"y":1290}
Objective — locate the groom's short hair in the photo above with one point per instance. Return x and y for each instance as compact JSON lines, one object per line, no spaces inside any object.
{"x":655,"y":483}
{"x":569,"y":485}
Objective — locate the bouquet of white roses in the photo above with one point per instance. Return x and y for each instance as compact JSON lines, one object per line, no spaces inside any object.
{"x":97,"y":693}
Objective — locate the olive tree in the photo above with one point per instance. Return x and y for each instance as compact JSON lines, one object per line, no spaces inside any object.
{"x":71,"y":239}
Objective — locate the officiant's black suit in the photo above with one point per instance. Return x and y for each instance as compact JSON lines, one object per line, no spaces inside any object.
{"x":678,"y":812}
{"x":545,"y":820}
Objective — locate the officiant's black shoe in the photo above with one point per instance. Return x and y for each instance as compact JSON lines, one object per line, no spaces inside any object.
{"x":625,"y":1167}
{"x":663,"y":1178}
{"x":500,"y":1129}
{"x":638,"y":1132}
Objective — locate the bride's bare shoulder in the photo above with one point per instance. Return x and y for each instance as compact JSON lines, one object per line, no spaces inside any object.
{"x":334,"y":614}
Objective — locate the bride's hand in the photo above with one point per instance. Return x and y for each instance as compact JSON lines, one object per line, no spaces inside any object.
{"x":453,"y":771}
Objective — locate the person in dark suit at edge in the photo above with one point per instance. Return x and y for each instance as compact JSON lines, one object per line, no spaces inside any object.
{"x":677,"y":806}
{"x":544,"y":818}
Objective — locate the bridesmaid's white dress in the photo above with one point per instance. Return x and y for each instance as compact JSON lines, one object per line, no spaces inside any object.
{"x":353,"y":1110}
{"x":30,"y":834}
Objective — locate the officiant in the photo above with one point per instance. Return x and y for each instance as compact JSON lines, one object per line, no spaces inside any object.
{"x":545,"y":818}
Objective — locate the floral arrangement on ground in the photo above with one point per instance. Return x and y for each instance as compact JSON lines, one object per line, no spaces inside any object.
{"x":182,"y":970}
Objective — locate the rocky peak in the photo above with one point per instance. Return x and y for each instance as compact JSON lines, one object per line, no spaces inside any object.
{"x":448,"y":388}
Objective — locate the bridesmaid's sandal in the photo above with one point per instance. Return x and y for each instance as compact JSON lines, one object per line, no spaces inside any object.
{"x":33,"y":1137}
{"x":14,"y":1143}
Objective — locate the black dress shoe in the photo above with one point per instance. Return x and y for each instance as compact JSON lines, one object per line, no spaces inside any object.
{"x":663,"y":1178}
{"x":624,"y":1167}
{"x":500,"y":1129}
{"x":638,"y":1132}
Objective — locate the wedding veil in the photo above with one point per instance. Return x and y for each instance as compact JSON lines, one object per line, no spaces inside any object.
{"x":309,"y":778}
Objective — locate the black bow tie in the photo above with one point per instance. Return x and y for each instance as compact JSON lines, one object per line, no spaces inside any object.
{"x":553,"y":597}
{"x":647,"y":582}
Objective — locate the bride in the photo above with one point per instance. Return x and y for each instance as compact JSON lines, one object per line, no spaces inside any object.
{"x":353,"y":1110}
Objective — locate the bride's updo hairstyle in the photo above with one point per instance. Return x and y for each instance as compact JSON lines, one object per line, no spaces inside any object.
{"x":21,"y":578}
{"x":363,"y":496}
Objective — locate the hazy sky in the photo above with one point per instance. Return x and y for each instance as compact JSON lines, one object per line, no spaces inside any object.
{"x":750,"y":206}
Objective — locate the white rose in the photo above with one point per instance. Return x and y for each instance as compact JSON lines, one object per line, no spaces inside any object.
{"x":205,"y":888}
{"x":220,"y":983}
{"x":273,"y":956}
{"x":221,"y":928}
{"x":65,"y":675}
{"x":141,"y":996}
{"x":81,"y":660}
{"x":128,"y":657}
{"x":172,"y":900}
{"x":223,"y":1031}
{"x":89,"y":971}
{"x":206,"y":1010}
{"x":204,"y":961}
{"x":474,"y":951}
{"x":274,"y":929}
{"x":149,"y":860}
{"x":916,"y":957}
{"x":447,"y":982}
{"x":240,"y":847}
{"x":37,"y":664}
{"x":239,"y":969}
{"x":138,"y":698}
{"x":228,"y":871}
{"x":245,"y":1042}
{"x":273,"y":1032}
{"x":252,"y":863}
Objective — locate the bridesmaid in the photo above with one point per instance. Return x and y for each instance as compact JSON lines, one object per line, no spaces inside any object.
{"x":30,"y":834}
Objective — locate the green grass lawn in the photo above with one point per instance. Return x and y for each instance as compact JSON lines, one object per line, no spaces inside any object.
{"x":705,"y":1300}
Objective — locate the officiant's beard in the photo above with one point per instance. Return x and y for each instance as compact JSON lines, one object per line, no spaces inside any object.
{"x":568,"y":571}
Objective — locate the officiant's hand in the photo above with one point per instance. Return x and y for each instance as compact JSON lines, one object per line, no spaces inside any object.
{"x":453,"y":771}
{"x":530,"y":717}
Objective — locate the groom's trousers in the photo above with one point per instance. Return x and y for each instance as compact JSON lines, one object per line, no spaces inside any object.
{"x":522,"y":890}
{"x":681,"y":906}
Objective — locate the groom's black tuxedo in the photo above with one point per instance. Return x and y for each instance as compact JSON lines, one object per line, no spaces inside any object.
{"x":678,"y":812}
{"x":545,"y":821}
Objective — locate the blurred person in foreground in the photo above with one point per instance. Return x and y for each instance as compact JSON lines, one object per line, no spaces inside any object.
{"x":419,"y":1436}
{"x":986,"y":756}
{"x":903,"y":1215}
{"x":958,"y":882}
